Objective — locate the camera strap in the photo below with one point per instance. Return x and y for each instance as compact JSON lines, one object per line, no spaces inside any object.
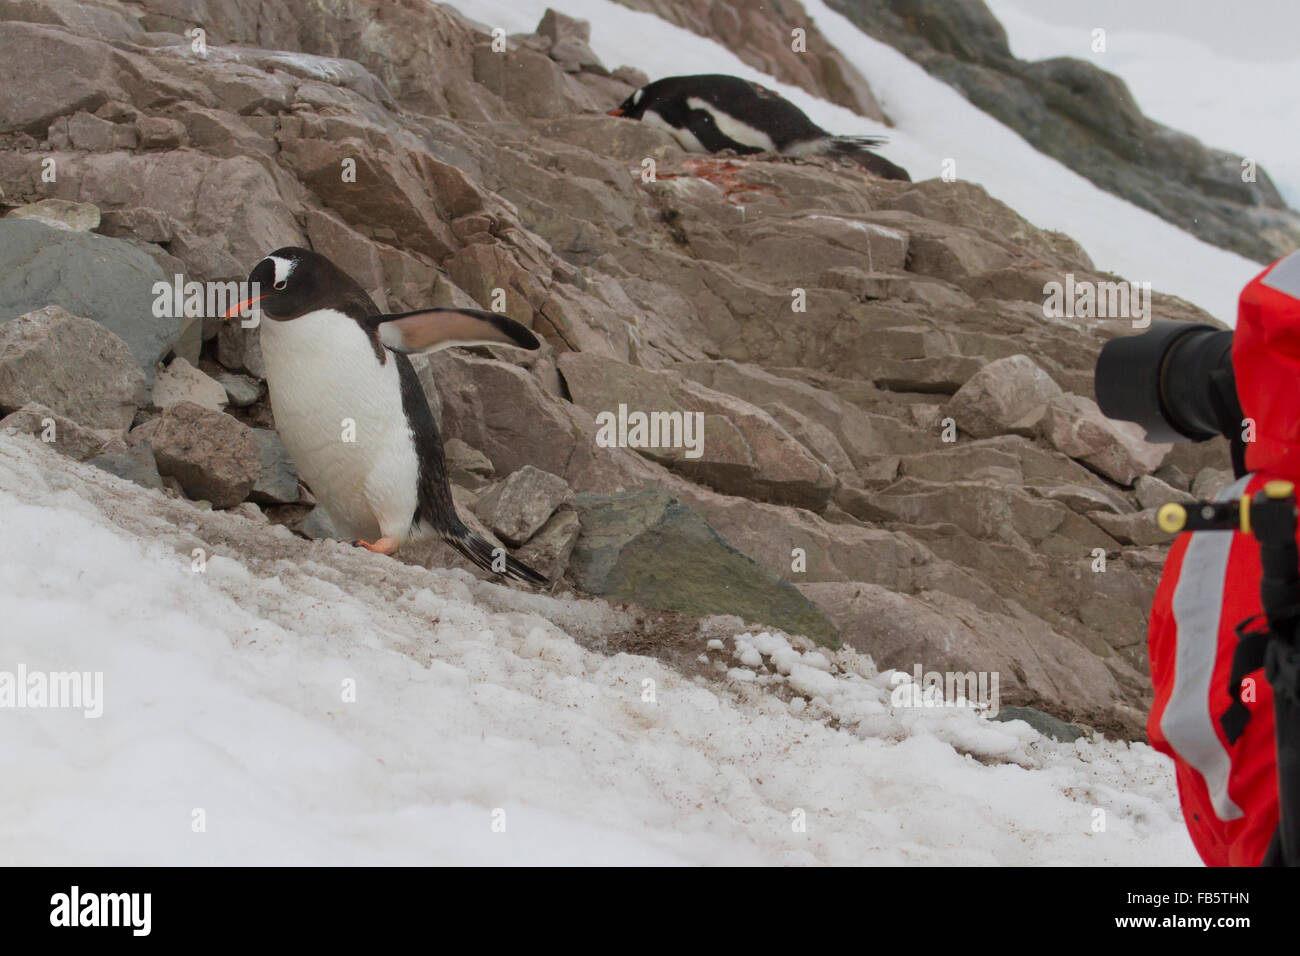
{"x":1253,"y":638}
{"x":1228,"y":415}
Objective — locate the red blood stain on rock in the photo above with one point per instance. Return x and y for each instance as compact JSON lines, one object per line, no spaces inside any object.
{"x":725,"y":174}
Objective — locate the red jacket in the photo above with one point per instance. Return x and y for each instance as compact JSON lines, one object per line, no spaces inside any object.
{"x":1211,"y":583}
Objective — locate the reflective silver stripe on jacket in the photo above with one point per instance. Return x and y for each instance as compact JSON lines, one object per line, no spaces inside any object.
{"x":1187,"y":722}
{"x":1285,"y":276}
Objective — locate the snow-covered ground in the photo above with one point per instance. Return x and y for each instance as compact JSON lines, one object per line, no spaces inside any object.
{"x":934,"y":123}
{"x":1250,"y":107}
{"x":223,"y":691}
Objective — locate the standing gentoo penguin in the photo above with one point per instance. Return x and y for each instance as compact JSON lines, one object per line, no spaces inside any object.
{"x":711,"y":112}
{"x":350,"y":410}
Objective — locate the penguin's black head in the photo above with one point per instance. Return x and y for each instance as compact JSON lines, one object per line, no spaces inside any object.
{"x":293,"y":281}
{"x":634,"y":106}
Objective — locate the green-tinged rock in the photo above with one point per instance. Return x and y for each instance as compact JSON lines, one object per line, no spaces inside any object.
{"x":1045,"y":724}
{"x":648,"y":548}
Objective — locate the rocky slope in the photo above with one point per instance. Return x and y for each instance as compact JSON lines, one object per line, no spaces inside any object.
{"x":1087,"y":119}
{"x":910,"y":463}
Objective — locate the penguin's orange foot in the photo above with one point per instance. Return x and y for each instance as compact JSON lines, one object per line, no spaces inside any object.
{"x":386,"y":546}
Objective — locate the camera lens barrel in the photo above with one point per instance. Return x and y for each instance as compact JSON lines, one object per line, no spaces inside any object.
{"x":1162,"y":379}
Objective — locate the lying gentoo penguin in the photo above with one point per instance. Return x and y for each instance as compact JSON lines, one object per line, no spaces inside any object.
{"x":350,"y":410}
{"x":712,"y":112}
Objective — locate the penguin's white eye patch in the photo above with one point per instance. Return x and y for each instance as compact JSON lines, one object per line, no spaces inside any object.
{"x":283,"y":269}
{"x":636,"y":97}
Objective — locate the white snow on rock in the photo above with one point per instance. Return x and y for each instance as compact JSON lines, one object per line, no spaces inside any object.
{"x":933,"y":123}
{"x":224,"y":693}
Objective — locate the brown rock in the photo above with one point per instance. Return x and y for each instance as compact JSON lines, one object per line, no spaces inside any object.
{"x":465,"y":465}
{"x":1005,"y":396}
{"x":740,"y":450}
{"x":1152,"y":493}
{"x":215,"y":457}
{"x":182,"y":382}
{"x":1138,"y":528}
{"x":942,"y":633}
{"x":75,"y":441}
{"x":73,"y":365}
{"x":1075,"y":426}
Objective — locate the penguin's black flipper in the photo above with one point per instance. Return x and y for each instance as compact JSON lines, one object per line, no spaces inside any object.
{"x":489,"y":558}
{"x":429,"y":330}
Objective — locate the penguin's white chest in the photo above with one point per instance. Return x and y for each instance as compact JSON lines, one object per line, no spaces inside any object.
{"x":339,"y":413}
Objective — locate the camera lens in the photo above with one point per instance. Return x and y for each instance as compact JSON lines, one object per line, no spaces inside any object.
{"x":1169,"y":380}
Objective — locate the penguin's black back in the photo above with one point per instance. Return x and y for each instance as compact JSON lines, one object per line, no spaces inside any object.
{"x":750,"y":103}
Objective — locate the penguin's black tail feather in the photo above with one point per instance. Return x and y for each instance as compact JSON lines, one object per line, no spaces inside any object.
{"x":859,"y":150}
{"x":860,"y":142}
{"x":490,"y":558}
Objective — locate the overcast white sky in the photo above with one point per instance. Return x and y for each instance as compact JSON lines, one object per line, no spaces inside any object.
{"x":1242,"y":29}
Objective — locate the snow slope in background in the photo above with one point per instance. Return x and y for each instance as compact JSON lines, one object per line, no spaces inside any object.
{"x":222,"y":691}
{"x":1249,"y":107}
{"x":933,"y":123}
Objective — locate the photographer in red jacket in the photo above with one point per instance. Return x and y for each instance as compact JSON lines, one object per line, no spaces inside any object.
{"x":1214,"y":710}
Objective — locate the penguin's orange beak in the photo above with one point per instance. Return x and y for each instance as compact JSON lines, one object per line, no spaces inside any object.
{"x":617,"y":111}
{"x":234,"y":310}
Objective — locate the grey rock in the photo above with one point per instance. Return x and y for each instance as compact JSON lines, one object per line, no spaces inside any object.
{"x":241,"y":390}
{"x":317,"y":525}
{"x":555,"y":26}
{"x":278,"y":482}
{"x":548,"y":551}
{"x":32,"y":94}
{"x":133,"y":461}
{"x":240,"y":349}
{"x":107,"y":280}
{"x":518,"y":506}
{"x":527,"y":80}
